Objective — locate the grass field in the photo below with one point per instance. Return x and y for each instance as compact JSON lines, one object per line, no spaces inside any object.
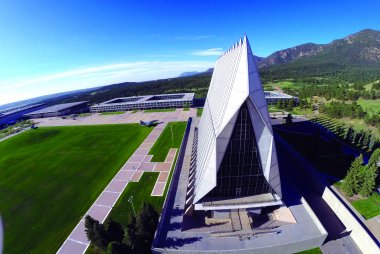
{"x":373,"y":105}
{"x":161,"y":148}
{"x":159,"y":110}
{"x":123,"y":208}
{"x":186,"y":109}
{"x":199,"y":112}
{"x":49,"y":177}
{"x":120,"y":212}
{"x":369,"y":207}
{"x":311,"y":251}
{"x":112,"y":113}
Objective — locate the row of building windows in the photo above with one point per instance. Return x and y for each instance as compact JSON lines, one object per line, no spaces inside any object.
{"x":150,"y":105}
{"x":240,"y":173}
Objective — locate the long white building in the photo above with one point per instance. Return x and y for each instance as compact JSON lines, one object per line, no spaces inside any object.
{"x":236,"y":160}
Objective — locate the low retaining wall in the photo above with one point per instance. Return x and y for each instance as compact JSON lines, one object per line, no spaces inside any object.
{"x":353,"y":222}
{"x":170,"y":195}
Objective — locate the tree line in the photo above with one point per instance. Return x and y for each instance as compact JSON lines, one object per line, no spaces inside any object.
{"x":337,"y":109}
{"x":136,"y":237}
{"x":363,"y":139}
{"x":360,"y":178}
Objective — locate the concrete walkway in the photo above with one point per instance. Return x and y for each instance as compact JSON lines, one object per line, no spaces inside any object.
{"x":14,"y":134}
{"x":139,"y":162}
{"x":125,"y":118}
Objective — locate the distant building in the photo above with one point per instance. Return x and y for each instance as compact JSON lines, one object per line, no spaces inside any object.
{"x":178,"y":100}
{"x":13,"y":115}
{"x":60,"y":110}
{"x":272,"y":97}
{"x":230,"y":195}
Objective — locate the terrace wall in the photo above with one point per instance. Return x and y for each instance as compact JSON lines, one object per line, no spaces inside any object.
{"x":353,"y":222}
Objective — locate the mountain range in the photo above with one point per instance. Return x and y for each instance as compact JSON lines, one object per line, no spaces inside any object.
{"x":354,"y":58}
{"x":362,"y":48}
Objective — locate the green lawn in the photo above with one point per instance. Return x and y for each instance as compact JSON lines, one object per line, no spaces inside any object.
{"x":166,"y":141}
{"x":186,"y":109}
{"x":123,"y":208}
{"x":373,"y":105}
{"x":159,"y":110}
{"x":112,"y":113}
{"x":49,"y":177}
{"x":311,"y":251}
{"x":199,"y":112}
{"x":84,"y":114}
{"x":120,"y":212}
{"x":369,"y":207}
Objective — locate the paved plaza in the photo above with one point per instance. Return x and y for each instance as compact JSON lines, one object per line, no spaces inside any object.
{"x":131,"y":171}
{"x":128,"y":117}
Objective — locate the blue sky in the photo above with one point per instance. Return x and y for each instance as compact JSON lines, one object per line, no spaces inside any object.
{"x":49,"y":46}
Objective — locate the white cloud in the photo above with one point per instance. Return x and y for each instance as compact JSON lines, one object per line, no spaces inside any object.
{"x":15,"y":90}
{"x":208,"y":52}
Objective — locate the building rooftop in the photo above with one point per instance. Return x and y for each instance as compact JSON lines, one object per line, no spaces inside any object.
{"x":275,"y":94}
{"x":149,"y":99}
{"x":56,"y":108}
{"x":16,"y":110}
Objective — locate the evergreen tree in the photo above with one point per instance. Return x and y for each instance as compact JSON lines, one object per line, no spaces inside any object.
{"x":352,"y":181}
{"x":116,"y":248}
{"x":289,"y":119}
{"x":369,"y":181}
{"x":375,"y":158}
{"x":365,"y":142}
{"x":146,"y":223}
{"x":278,"y":104}
{"x":95,"y":232}
{"x":130,"y":234}
{"x":114,"y":230}
{"x":371,"y":142}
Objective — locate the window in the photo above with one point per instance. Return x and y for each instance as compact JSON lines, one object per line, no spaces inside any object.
{"x":240,"y":173}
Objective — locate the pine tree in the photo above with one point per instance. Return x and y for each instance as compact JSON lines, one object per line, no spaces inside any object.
{"x":114,"y":230}
{"x":130,"y":234}
{"x":146,"y":222}
{"x":366,"y":140}
{"x":371,"y":142}
{"x":375,"y":158}
{"x":369,"y":181}
{"x":289,"y":119}
{"x":352,"y":181}
{"x":95,"y":232}
{"x":278,"y":104}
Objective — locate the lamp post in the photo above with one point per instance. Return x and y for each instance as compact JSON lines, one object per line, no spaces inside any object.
{"x":130,"y":200}
{"x":171,"y":128}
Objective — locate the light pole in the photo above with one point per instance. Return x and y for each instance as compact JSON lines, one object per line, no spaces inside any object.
{"x":130,"y":200}
{"x":171,"y":128}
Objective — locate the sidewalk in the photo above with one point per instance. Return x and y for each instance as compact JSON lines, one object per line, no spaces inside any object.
{"x":132,"y":170}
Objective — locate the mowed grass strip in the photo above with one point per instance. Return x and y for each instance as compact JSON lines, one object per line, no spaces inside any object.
{"x":112,"y":113}
{"x":123,"y":208}
{"x":171,"y":137}
{"x":49,"y":177}
{"x":199,"y":112}
{"x":141,"y":192}
{"x":369,"y":207}
{"x":159,"y":110}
